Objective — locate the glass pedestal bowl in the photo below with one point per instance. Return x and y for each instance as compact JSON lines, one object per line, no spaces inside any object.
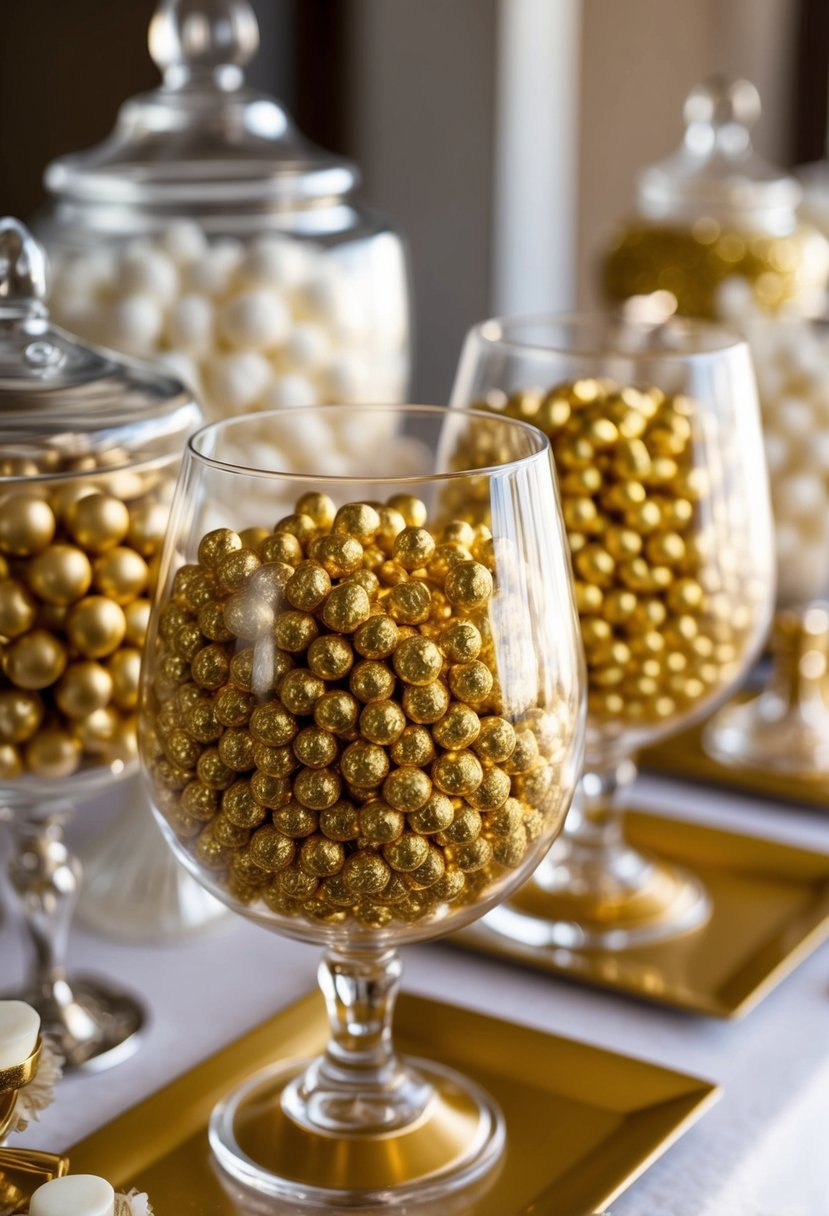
{"x":361,"y":726}
{"x":656,"y":439}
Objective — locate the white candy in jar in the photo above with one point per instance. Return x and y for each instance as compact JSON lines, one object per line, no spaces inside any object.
{"x":792,"y":364}
{"x":271,"y":322}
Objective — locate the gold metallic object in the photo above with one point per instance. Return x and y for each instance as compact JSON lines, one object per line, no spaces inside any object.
{"x":769,"y":911}
{"x":559,"y":1080}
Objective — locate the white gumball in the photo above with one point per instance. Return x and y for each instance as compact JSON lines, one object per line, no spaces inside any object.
{"x":307,"y":347}
{"x":255,"y":320}
{"x":794,"y":417}
{"x":819,"y":451}
{"x":149,"y":272}
{"x":735,"y":298}
{"x":134,"y":324}
{"x":184,"y":241}
{"x":289,"y":392}
{"x":343,"y":380}
{"x":234,"y":382}
{"x":324,"y":298}
{"x":190,"y":324}
{"x":275,"y":261}
{"x":778,"y":451}
{"x":800,"y":496}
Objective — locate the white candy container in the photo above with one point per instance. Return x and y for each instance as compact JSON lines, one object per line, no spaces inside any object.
{"x":786,"y":727}
{"x":207,"y":233}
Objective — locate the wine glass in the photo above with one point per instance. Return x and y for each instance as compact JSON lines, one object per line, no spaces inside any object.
{"x":361,"y":726}
{"x":785,"y":728}
{"x":656,"y":438}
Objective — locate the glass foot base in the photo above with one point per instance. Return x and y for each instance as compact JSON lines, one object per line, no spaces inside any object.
{"x":610,"y":903}
{"x":772,"y":734}
{"x":93,"y":1024}
{"x":458,"y":1138}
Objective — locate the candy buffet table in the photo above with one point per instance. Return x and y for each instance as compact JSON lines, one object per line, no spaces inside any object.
{"x":762,"y":1151}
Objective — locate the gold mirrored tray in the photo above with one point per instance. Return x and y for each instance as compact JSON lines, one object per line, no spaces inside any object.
{"x":684,"y":756}
{"x":770,"y":908}
{"x":582,"y":1123}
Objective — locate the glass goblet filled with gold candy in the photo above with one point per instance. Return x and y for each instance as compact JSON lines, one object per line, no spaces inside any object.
{"x":88,"y":455}
{"x":361,"y":726}
{"x":656,"y":439}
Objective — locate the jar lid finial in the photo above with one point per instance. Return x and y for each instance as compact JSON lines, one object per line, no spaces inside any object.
{"x":22,"y":271}
{"x":193,"y":39}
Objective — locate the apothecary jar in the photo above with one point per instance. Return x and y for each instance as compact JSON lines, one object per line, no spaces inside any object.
{"x":208,"y":233}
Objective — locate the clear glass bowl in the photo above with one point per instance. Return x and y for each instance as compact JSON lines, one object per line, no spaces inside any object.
{"x":656,"y":438}
{"x":361,"y":726}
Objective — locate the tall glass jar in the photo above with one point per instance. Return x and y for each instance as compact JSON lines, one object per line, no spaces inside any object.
{"x":89,"y":448}
{"x":208,"y":233}
{"x":717,"y":229}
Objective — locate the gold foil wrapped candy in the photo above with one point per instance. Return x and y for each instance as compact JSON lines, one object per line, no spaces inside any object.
{"x":74,"y":608}
{"x":323,"y":723}
{"x":663,"y":623}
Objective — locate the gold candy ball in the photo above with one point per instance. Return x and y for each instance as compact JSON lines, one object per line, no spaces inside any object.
{"x":121,"y":574}
{"x":414,"y":746}
{"x":407,"y":853}
{"x":364,"y":765}
{"x":85,"y":687}
{"x":53,"y":753}
{"x":380,"y":823}
{"x":468,"y":586}
{"x":315,"y":747}
{"x":60,"y":574}
{"x":11,"y":764}
{"x":330,"y":657}
{"x":457,"y":773}
{"x":318,"y":788}
{"x":418,"y":661}
{"x":471,"y":681}
{"x":413,"y":548}
{"x":270,"y":849}
{"x":96,"y":626}
{"x":299,"y":690}
{"x":340,"y":821}
{"x":458,"y":728}
{"x":98,"y":522}
{"x":318,"y":507}
{"x":346,"y":607}
{"x":294,"y":631}
{"x":336,"y":711}
{"x":425,"y":703}
{"x":359,"y":520}
{"x":21,"y":713}
{"x":366,"y":873}
{"x":321,"y":857}
{"x":35,"y":661}
{"x":234,"y":570}
{"x":216,"y":545}
{"x":495,"y":742}
{"x":407,"y":789}
{"x":436,"y":814}
{"x":27,"y":525}
{"x":460,"y":641}
{"x":371,"y":680}
{"x":410,"y":603}
{"x":17,"y":608}
{"x":377,"y":637}
{"x":382,"y":722}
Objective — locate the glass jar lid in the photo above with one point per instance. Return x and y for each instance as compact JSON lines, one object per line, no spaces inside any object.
{"x":61,"y":401}
{"x":204,"y":137}
{"x":716,"y":172}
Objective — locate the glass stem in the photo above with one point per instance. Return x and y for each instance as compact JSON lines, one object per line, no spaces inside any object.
{"x":359,"y":1084}
{"x":595,"y":821}
{"x":45,"y":878}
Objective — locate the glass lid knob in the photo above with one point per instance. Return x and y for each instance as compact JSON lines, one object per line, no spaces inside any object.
{"x":22,"y":272}
{"x":192,"y":40}
{"x":721,"y":111}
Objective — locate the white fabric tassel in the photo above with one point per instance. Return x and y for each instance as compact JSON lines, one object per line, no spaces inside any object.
{"x":34,"y":1098}
{"x":133,"y":1204}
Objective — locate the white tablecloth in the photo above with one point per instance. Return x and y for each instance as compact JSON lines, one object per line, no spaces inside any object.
{"x":763,"y":1151}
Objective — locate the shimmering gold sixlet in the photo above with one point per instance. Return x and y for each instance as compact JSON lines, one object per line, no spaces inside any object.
{"x":77,"y":565}
{"x":324,"y":722}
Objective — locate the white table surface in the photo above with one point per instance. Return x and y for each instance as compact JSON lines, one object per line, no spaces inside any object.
{"x":762,"y":1151}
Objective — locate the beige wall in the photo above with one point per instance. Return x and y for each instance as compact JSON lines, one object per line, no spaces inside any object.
{"x":639,"y":59}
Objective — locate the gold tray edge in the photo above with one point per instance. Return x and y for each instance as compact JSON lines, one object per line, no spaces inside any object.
{"x":813,"y":924}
